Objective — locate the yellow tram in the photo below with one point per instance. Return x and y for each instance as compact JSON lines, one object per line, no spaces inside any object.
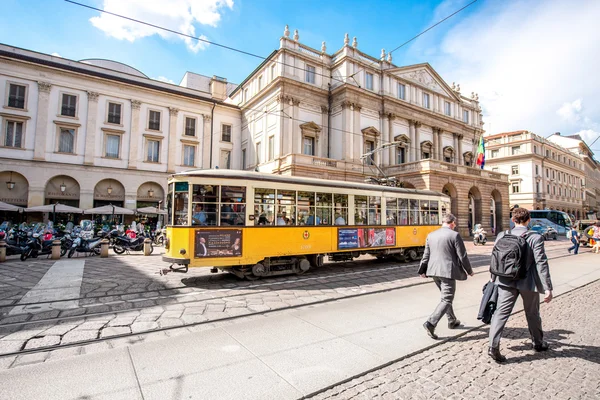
{"x":255,"y":224}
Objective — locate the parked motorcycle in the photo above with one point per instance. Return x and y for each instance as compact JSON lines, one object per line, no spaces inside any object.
{"x":36,"y":246}
{"x":479,"y":235}
{"x":87,"y":246}
{"x":159,"y":237}
{"x":15,"y":239}
{"x":124,"y":243}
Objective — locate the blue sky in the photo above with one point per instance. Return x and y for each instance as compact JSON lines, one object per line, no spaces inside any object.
{"x":532,"y":62}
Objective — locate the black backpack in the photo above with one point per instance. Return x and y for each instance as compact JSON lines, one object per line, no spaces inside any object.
{"x":509,"y":256}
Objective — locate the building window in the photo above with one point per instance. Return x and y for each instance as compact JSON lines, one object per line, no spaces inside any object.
{"x":309,"y":146}
{"x":537,"y":170}
{"x":495,"y":153}
{"x":368,"y":81}
{"x":514,"y":170}
{"x":66,"y":140}
{"x":553,"y":189}
{"x":495,"y":169}
{"x":548,"y":189}
{"x":243,"y":159}
{"x":272,"y":71}
{"x":515,"y":187}
{"x":16,"y":96}
{"x":259,"y":152}
{"x":515,"y":150}
{"x":447,"y":108}
{"x":225,"y":159}
{"x":246,"y":98}
{"x":400,"y":155}
{"x":190,"y":126}
{"x":401,"y":91}
{"x":425,"y":100}
{"x":189,"y":155}
{"x":466,"y":116}
{"x":113,"y":144}
{"x":154,"y":120}
{"x":226,"y":133}
{"x":69,"y":105}
{"x":547,"y":173}
{"x":310,"y":74}
{"x":369,"y":148}
{"x":114,"y":113}
{"x":260,"y":83}
{"x":14,"y":134}
{"x":547,"y":153}
{"x":271,"y":147}
{"x":153,"y":149}
{"x":553,"y":174}
{"x":534,"y":149}
{"x":537,"y":187}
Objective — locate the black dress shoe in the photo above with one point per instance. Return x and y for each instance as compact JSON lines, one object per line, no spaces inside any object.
{"x":541,"y":346}
{"x":455,"y":324}
{"x":495,"y":354}
{"x":430,"y":329}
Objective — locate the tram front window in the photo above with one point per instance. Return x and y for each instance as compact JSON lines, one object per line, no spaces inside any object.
{"x":180,"y":206}
{"x":204,"y":204}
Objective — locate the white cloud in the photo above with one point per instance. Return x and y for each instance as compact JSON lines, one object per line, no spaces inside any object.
{"x":56,"y":55}
{"x":177,"y":15}
{"x":164,"y":79}
{"x":532,"y":62}
{"x":589,"y":136}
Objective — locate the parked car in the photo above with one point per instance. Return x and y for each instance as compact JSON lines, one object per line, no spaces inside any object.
{"x":546,"y":231}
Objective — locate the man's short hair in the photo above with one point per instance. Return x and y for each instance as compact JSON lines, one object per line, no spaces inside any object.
{"x":520,"y":215}
{"x":448,"y":219}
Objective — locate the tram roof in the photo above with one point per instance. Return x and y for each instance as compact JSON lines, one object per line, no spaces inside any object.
{"x":262,"y":176}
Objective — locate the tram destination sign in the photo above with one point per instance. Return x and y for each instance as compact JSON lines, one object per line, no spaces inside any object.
{"x":218,"y":243}
{"x":360,"y":238}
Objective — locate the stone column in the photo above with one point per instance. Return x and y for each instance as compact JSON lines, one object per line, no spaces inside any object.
{"x":134,"y":134}
{"x":357,"y":139}
{"x":455,"y":148}
{"x":392,"y":149}
{"x":41,"y":120}
{"x":172,"y":137}
{"x":413,"y":143}
{"x":206,"y":121}
{"x":385,"y":138}
{"x":460,"y":151}
{"x":440,"y":135}
{"x":323,"y":139}
{"x":296,"y":134}
{"x":434,"y":151}
{"x":90,"y":128}
{"x":417,"y":141}
{"x":344,"y":135}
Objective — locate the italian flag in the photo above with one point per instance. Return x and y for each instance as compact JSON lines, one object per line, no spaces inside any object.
{"x":481,"y":153}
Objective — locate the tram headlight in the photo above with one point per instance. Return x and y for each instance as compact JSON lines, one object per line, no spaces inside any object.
{"x":182,"y":252}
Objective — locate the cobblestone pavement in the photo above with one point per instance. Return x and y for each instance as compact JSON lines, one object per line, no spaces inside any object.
{"x":461,"y":369}
{"x":135,"y":300}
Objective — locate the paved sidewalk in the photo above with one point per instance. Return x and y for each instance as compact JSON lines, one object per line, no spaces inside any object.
{"x":292,"y":353}
{"x":460,"y":369}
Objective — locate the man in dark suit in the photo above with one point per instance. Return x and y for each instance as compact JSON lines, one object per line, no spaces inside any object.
{"x":535,"y":282}
{"x":445,"y":260}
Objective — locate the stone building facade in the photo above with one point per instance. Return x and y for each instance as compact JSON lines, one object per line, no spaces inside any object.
{"x":307,"y":112}
{"x":542,"y":174}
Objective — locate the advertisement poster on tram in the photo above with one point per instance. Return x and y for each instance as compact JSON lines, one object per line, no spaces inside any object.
{"x":359,"y":238}
{"x":218,"y":243}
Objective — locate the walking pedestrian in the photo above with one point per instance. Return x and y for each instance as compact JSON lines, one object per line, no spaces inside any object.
{"x":574,"y":236}
{"x":536,"y":280}
{"x":445,"y":260}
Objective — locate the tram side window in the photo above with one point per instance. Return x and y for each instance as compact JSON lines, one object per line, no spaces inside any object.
{"x":324,"y":208}
{"x":424,"y":211}
{"x":434,"y":212}
{"x":233,"y":205}
{"x":205,"y":201}
{"x":264,"y":206}
{"x":374,"y":210}
{"x":170,"y":205}
{"x":391,"y":211}
{"x":306,"y":208}
{"x":286,"y":207}
{"x":403,"y":211}
{"x":180,"y":206}
{"x":360,"y":210}
{"x":340,"y":209}
{"x":413,"y":212}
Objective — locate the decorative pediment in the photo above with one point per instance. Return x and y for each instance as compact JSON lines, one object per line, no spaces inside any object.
{"x":402,"y":138}
{"x":425,"y":76}
{"x":310,"y":126}
{"x":370,"y":131}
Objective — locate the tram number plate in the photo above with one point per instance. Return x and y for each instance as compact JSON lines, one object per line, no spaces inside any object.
{"x":305,"y":246}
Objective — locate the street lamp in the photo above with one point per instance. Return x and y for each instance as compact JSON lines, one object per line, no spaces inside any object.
{"x":63,"y":187}
{"x":150,"y":192}
{"x":109,"y":190}
{"x":10,"y":184}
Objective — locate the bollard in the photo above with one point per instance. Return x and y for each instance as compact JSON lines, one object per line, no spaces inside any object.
{"x":2,"y":251}
{"x":104,"y":248}
{"x":147,"y":246}
{"x":55,"y":249}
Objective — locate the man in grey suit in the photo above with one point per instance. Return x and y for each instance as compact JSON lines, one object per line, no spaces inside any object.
{"x":445,"y":260}
{"x":536,"y":281}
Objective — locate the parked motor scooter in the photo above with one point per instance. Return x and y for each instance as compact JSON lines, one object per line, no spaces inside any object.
{"x":123,"y":243}
{"x":15,"y":241}
{"x":479,"y":235}
{"x":81,"y":245}
{"x":36,"y":246}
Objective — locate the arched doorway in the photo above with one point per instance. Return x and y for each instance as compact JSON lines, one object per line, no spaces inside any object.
{"x":475,"y":216}
{"x":496,"y":212}
{"x":450,"y":190}
{"x":62,"y":189}
{"x":14,"y":188}
{"x":149,"y":194}
{"x":109,"y":191}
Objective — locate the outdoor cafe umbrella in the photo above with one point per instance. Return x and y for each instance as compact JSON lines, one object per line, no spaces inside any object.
{"x":9,"y":207}
{"x":55,"y":208}
{"x":151,"y":210}
{"x":109,"y":210}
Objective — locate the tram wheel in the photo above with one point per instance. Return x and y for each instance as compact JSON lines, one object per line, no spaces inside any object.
{"x":251,"y":277}
{"x":412,"y":255}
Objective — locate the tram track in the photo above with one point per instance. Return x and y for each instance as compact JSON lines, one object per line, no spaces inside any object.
{"x":98,"y":339}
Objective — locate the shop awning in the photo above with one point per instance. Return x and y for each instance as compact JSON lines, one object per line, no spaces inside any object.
{"x":109,"y":210}
{"x":10,"y":207}
{"x":55,"y":208}
{"x":151,"y":210}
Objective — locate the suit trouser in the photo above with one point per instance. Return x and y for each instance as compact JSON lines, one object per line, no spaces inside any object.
{"x":507,"y":297}
{"x":447,"y":289}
